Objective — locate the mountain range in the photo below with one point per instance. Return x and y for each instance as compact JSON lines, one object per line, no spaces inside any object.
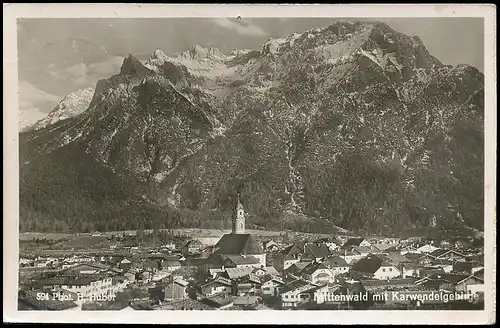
{"x":354,"y":126}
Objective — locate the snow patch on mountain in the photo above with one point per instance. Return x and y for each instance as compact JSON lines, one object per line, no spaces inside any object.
{"x":73,"y":104}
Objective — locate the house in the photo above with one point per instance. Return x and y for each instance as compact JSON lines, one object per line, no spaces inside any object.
{"x":316,"y":250}
{"x":333,"y":242}
{"x":336,"y":264}
{"x":405,"y":265}
{"x":290,"y":255}
{"x":394,"y":258}
{"x":384,"y":285}
{"x":311,"y":295}
{"x":356,"y":242}
{"x":445,"y":265}
{"x":88,"y":288}
{"x":351,"y":256}
{"x":192,"y":246}
{"x":247,"y":302}
{"x":327,"y":293}
{"x":235,"y":273}
{"x":409,"y":249}
{"x":262,"y":271}
{"x":240,"y":261}
{"x":220,"y":301}
{"x":381,"y":248}
{"x":296,"y":269}
{"x":409,"y":270}
{"x":215,"y":272}
{"x":470,"y":285}
{"x":317,"y":273}
{"x":247,"y":285}
{"x":426,"y":259}
{"x":425,"y":271}
{"x":457,"y":283}
{"x":448,"y":255}
{"x":217,"y":285}
{"x":376,"y":268}
{"x":427,"y":248}
{"x":270,"y":246}
{"x":290,"y":293}
{"x":363,"y":251}
{"x":125,"y":264}
{"x":462,"y":267}
{"x":287,"y":261}
{"x":160,"y":275}
{"x":176,"y":290}
{"x":270,"y":285}
{"x":171,"y":265}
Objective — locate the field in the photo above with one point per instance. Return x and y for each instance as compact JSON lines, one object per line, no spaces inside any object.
{"x":207,"y":236}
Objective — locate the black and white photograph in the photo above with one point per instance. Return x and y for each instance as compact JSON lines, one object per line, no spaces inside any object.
{"x":252,"y":163}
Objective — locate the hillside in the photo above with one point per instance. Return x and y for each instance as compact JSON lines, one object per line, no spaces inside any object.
{"x":354,"y":125}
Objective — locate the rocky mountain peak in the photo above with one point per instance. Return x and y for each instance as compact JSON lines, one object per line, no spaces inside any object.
{"x":71,"y":105}
{"x":158,"y":53}
{"x":133,"y":66}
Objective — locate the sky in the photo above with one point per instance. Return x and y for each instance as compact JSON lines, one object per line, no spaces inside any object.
{"x":49,"y":68}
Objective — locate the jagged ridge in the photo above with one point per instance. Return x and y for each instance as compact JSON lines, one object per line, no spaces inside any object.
{"x":354,"y":125}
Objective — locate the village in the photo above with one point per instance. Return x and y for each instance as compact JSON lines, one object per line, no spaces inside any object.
{"x":242,"y":271}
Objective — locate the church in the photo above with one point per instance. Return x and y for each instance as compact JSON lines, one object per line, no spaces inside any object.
{"x":238,"y":245}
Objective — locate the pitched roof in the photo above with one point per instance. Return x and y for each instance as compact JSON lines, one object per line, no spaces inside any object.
{"x":218,"y":281}
{"x":353,"y":242}
{"x":269,"y":277}
{"x":238,"y":244}
{"x":171,"y":263}
{"x":296,"y":267}
{"x":383,"y":247}
{"x":368,"y":265}
{"x":181,"y":282}
{"x":298,"y":283}
{"x":452,"y":278}
{"x":294,"y":249}
{"x":398,"y":258}
{"x":362,"y":249}
{"x":441,"y":252}
{"x":393,"y":259}
{"x":335,"y":261}
{"x":234,"y":273}
{"x":313,"y":267}
{"x":193,"y":243}
{"x":479,"y":273}
{"x":316,"y":250}
{"x":391,"y":282}
{"x":271,"y":270}
{"x":239,"y":260}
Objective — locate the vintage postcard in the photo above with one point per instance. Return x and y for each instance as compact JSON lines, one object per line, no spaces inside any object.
{"x":198,"y":163}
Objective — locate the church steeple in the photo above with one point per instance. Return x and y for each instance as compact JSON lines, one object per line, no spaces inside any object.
{"x":239,"y":218}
